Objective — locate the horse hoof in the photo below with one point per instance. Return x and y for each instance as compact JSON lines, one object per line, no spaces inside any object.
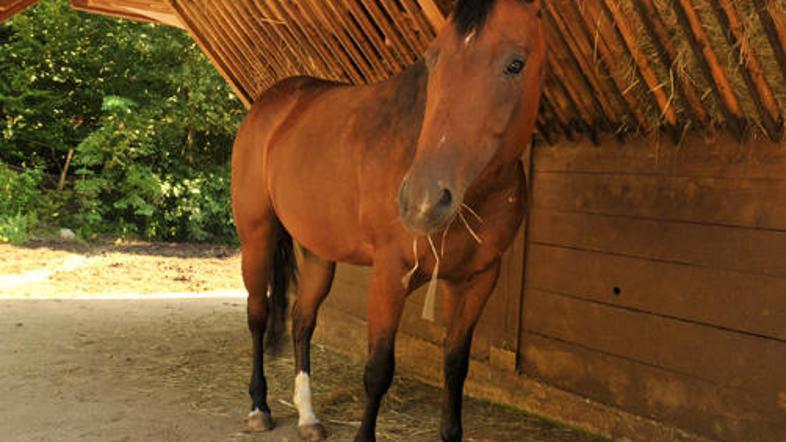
{"x":259,"y":421}
{"x":312,"y":432}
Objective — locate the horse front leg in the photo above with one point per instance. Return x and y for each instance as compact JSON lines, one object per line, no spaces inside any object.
{"x":464,"y":302}
{"x":385,"y":304}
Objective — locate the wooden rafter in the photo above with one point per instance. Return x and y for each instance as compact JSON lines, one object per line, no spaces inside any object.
{"x":663,"y":43}
{"x":9,"y":8}
{"x":654,"y":84}
{"x":752,"y":71}
{"x":593,"y":19}
{"x":152,"y":11}
{"x":212,"y":53}
{"x":295,"y":36}
{"x":433,"y":14}
{"x":378,"y":43}
{"x":774,"y":24}
{"x":342,"y":42}
{"x":578,"y":49}
{"x":255,"y":43}
{"x":702,"y":46}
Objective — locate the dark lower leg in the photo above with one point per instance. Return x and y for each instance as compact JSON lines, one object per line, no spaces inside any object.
{"x":257,"y":388}
{"x":377,"y":378}
{"x":302,"y":329}
{"x":317,"y":277}
{"x":464,"y":303}
{"x":455,"y":371}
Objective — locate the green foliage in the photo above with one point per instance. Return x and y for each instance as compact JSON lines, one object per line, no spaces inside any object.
{"x":19,"y":204}
{"x":150,"y":121}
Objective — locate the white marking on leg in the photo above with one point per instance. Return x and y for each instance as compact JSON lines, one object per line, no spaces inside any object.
{"x":302,"y":400}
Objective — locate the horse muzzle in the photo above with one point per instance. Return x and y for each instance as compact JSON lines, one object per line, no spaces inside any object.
{"x":425,"y":206}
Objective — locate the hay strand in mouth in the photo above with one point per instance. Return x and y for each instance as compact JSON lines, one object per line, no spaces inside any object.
{"x":431,"y":293}
{"x":475,"y":214}
{"x":408,"y":277}
{"x":469,"y":229}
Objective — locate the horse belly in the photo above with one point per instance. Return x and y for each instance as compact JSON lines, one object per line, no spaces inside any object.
{"x":316,"y":201}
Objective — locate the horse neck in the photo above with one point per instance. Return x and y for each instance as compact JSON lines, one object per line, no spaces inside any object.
{"x":502,"y":172}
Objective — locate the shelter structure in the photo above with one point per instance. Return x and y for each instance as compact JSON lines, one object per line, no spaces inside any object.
{"x":645,"y":296}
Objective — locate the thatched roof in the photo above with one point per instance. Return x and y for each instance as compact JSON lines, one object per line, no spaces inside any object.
{"x":617,"y":66}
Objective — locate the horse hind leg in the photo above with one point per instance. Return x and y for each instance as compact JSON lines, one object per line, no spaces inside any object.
{"x":313,"y":287}
{"x":266,"y":264}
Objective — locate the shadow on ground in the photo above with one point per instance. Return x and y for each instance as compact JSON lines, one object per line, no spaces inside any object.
{"x":176,"y":370}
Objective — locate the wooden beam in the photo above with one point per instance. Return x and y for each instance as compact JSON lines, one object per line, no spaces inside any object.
{"x":774,"y":24}
{"x":595,"y":24}
{"x":417,"y":46}
{"x":302,"y":13}
{"x":660,"y":35}
{"x":752,"y":71}
{"x":358,"y":36}
{"x":336,"y":33}
{"x":211,"y":53}
{"x":708,"y":60}
{"x":368,"y":28}
{"x":9,"y":8}
{"x":130,"y":11}
{"x":390,"y":34}
{"x":654,"y":84}
{"x":577,"y":51}
{"x":313,"y":60}
{"x":433,"y":14}
{"x":224,"y":47}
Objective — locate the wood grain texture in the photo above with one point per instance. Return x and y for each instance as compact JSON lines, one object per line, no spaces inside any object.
{"x":724,"y":358}
{"x":701,"y":295}
{"x":656,"y":281}
{"x":719,"y":412}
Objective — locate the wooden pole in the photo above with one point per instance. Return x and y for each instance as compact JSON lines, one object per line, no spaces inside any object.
{"x":433,"y":14}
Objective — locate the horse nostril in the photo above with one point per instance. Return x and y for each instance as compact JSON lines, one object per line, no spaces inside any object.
{"x":446,"y":199}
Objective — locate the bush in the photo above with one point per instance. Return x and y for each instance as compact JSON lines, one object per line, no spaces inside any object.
{"x":21,"y":199}
{"x":150,"y":121}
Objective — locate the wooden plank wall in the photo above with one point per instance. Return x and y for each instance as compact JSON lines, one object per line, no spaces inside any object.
{"x":656,"y":281}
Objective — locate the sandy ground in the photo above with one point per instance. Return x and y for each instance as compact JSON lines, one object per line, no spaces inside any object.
{"x":89,"y":369}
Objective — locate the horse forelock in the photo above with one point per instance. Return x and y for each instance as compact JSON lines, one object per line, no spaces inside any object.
{"x":471,"y":15}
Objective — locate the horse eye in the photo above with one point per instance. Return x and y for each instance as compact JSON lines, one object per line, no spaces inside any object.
{"x":515,"y":67}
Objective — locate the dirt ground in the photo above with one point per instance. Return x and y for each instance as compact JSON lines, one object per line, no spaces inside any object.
{"x":110,"y":343}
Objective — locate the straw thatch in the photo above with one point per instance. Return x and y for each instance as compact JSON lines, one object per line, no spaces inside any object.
{"x":617,"y":66}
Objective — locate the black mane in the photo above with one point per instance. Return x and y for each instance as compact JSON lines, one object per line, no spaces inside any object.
{"x":471,"y":14}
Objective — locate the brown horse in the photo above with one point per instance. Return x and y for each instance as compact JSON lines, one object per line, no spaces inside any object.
{"x":430,"y":158}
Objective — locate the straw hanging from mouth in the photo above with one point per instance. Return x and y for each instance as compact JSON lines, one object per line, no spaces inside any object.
{"x":408,"y":277}
{"x":431,"y":293}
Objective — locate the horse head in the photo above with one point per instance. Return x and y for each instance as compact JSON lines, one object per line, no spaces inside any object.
{"x":486,"y":69}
